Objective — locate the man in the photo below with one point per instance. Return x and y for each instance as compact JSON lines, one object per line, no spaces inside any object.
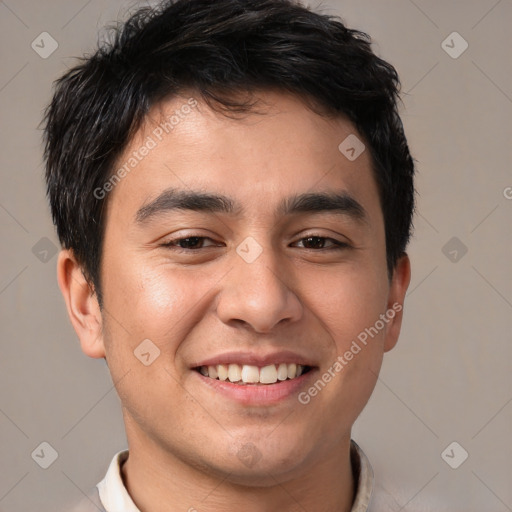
{"x":233,"y":192}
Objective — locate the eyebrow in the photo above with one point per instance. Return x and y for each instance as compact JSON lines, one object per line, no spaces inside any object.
{"x":173,"y":199}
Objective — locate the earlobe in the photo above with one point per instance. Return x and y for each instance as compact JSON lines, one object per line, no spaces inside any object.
{"x":398,"y":289}
{"x":82,"y":304}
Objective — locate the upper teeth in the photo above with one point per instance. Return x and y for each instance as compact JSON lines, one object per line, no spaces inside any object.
{"x":249,"y":374}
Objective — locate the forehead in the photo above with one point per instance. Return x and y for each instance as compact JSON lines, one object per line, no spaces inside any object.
{"x":281,"y":149}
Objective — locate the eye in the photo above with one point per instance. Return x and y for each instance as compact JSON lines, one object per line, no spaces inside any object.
{"x":318,"y":242}
{"x":193,"y":243}
{"x":189,"y":243}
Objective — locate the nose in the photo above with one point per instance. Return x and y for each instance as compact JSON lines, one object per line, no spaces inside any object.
{"x":258,"y":294}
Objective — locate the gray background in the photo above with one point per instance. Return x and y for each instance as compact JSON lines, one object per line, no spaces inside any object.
{"x":449,"y":377}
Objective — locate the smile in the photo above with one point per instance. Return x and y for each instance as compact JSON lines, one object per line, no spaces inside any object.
{"x":249,"y":374}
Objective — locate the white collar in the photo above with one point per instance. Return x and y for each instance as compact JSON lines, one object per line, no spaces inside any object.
{"x":115,"y":497}
{"x":113,"y":493}
{"x":365,"y":479}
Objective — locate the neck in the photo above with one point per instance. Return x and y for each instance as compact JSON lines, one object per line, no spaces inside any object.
{"x":158,"y":481}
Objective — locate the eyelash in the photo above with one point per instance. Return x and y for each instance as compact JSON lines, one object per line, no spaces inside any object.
{"x":170,"y":244}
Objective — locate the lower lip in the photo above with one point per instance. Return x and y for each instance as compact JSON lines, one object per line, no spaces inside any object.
{"x":258,"y":394}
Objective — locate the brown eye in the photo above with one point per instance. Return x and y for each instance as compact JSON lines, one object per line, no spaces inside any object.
{"x":188,"y":243}
{"x":318,"y":242}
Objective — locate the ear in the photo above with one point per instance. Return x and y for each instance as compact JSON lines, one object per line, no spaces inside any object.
{"x":399,"y":284}
{"x":82,"y":304}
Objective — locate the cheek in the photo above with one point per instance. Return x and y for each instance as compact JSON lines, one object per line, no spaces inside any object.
{"x":347,"y":303}
{"x":156,"y":301}
{"x":350,"y":309}
{"x":160,"y":296}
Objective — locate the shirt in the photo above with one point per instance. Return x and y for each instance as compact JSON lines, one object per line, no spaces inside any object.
{"x":110,"y":495}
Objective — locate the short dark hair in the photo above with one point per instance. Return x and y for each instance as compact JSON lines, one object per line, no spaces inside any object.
{"x":217,"y":49}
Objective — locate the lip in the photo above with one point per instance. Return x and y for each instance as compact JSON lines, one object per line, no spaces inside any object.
{"x":258,"y":394}
{"x":256,"y":359}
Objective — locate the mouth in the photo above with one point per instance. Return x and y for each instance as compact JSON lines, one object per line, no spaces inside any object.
{"x":251,"y":378}
{"x":252,"y":375}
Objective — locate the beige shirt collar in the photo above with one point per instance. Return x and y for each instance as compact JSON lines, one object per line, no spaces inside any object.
{"x":115,"y":497}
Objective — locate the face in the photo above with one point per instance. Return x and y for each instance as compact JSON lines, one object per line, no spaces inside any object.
{"x":275,"y":282}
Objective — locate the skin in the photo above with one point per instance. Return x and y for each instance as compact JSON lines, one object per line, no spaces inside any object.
{"x":183,"y":436}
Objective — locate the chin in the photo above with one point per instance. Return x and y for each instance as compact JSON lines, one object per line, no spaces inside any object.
{"x":262,"y":463}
